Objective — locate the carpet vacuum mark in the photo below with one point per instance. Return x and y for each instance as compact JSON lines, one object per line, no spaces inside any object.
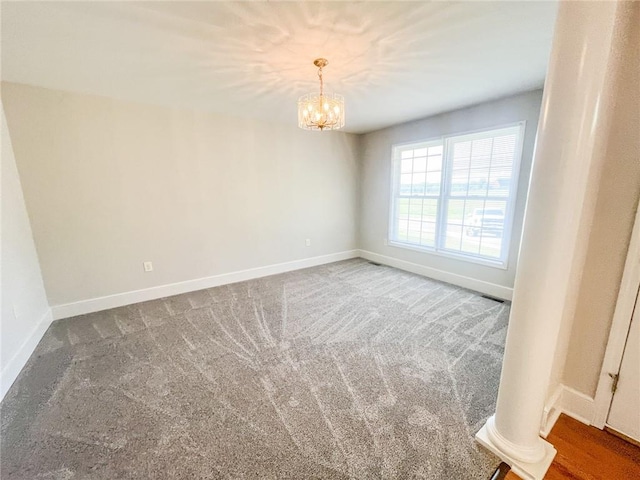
{"x":347,"y":370}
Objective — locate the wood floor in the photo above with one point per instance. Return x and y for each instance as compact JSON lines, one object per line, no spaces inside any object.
{"x":587,"y":453}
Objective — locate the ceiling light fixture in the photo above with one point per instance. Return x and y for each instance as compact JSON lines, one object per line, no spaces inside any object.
{"x":321,"y":112}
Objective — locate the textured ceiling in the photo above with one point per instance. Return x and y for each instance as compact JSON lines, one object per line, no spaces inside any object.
{"x":393,"y":61}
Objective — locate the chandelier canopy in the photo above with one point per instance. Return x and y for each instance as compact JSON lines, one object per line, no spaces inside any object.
{"x":321,"y":112}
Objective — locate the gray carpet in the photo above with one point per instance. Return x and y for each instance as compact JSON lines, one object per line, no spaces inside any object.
{"x":347,"y":370}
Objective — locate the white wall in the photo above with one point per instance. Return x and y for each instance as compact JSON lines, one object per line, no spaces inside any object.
{"x":376,"y":171}
{"x":111,"y":184}
{"x":25,"y":311}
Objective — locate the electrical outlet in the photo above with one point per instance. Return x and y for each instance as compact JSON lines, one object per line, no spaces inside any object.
{"x":148,"y":266}
{"x":307,"y":242}
{"x":385,"y":242}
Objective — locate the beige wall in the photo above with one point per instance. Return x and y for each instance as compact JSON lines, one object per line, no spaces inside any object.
{"x":617,"y":199}
{"x":110,"y":184}
{"x":24,"y":303}
{"x":376,"y":183}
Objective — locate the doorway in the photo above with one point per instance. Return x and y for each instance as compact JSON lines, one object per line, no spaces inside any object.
{"x":618,"y":392}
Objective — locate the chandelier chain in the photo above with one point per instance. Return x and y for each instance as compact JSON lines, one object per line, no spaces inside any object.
{"x":321,"y":82}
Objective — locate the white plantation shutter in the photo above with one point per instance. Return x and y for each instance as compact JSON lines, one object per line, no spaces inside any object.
{"x":455,"y":196}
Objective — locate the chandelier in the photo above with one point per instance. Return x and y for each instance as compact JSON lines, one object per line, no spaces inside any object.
{"x":321,"y":112}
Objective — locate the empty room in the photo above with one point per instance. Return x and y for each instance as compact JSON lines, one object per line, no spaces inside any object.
{"x":321,"y":240}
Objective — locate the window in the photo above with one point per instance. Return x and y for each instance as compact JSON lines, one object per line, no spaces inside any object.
{"x":455,"y":196}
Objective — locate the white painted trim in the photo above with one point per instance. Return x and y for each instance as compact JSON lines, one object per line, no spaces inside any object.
{"x":551,"y":412}
{"x":629,"y":288}
{"x":564,"y":400}
{"x":12,"y":369}
{"x":513,"y":454}
{"x":481,"y":286}
{"x":578,"y":405}
{"x":127,"y":298}
{"x":570,"y":402}
{"x":444,"y":197}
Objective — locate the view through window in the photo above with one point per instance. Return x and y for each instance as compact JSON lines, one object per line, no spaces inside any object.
{"x":455,"y":195}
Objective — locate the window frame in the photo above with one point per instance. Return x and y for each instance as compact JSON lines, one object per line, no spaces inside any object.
{"x":444,"y":197}
{"x":396,"y":165}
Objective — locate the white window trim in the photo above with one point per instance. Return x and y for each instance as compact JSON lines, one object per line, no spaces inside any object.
{"x":503,"y":262}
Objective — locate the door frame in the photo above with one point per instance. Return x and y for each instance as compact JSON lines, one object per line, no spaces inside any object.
{"x":627,"y":296}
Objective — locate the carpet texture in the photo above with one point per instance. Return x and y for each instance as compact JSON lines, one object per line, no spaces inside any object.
{"x":348,"y":370}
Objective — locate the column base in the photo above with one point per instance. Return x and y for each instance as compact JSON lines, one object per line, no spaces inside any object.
{"x":525,"y":470}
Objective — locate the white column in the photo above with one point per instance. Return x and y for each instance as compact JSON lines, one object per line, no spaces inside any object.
{"x":570,"y":150}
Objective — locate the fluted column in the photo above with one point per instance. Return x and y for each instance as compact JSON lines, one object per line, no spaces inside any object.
{"x":570,"y":151}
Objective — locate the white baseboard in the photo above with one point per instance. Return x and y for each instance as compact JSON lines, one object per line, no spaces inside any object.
{"x":481,"y":286}
{"x":12,"y":369}
{"x":570,"y":402}
{"x":578,"y":405}
{"x":127,"y":298}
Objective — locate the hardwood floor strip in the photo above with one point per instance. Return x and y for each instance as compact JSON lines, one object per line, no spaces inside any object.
{"x":587,"y":453}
